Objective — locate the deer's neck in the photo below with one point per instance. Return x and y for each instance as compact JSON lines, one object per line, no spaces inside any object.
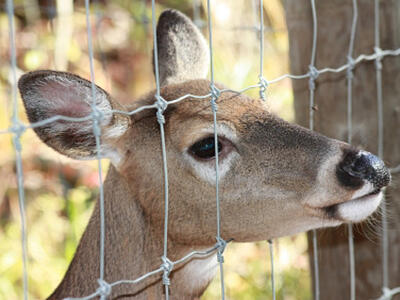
{"x":132,"y":248}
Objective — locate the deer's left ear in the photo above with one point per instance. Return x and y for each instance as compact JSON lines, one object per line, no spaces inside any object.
{"x":182,"y":50}
{"x":47,"y":94}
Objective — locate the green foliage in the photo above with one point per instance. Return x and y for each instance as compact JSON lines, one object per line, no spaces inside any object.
{"x":55,"y":224}
{"x":248,"y":271}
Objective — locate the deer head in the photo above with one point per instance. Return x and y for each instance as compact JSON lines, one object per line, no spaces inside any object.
{"x":275,"y":178}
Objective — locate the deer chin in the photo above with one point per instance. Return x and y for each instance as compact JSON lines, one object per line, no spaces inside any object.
{"x":356,"y":209}
{"x":359,"y":207}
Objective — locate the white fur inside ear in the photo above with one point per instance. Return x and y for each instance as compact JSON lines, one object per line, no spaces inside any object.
{"x":64,"y":96}
{"x":206,"y":169}
{"x":67,"y":95}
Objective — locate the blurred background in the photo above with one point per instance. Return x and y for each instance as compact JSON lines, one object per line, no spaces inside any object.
{"x":60,"y":192}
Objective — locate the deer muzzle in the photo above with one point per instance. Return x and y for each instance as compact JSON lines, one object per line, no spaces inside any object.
{"x":365,"y":174}
{"x":358,"y":168}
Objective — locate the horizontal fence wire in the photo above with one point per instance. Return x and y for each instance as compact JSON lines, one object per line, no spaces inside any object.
{"x":21,"y":127}
{"x":17,"y":129}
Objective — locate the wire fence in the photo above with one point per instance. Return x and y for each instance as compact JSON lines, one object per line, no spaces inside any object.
{"x":104,"y":289}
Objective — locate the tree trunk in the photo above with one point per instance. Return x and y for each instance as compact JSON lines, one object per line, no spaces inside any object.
{"x":334,"y":25}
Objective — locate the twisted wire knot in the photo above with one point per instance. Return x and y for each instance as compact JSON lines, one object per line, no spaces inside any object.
{"x":351,"y":63}
{"x":314,"y":73}
{"x":221,"y":243}
{"x":97,"y":114}
{"x":167,"y":266}
{"x":162,"y":105}
{"x":17,"y":143}
{"x":214,"y":105}
{"x":263,"y":86}
{"x":215,"y":92}
{"x":17,"y":128}
{"x":160,"y":117}
{"x":104,"y":288}
{"x":386,"y":294}
{"x":378,"y":60}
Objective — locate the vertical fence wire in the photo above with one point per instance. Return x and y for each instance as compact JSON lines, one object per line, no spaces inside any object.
{"x":262,"y":82}
{"x":215,"y":93}
{"x":263,"y":85}
{"x":378,"y":66}
{"x":196,"y":13}
{"x":95,"y":124}
{"x":105,"y":289}
{"x":161,"y":106}
{"x":96,"y":117}
{"x":313,"y":75}
{"x":350,"y":62}
{"x":18,"y":130}
{"x":271,"y":256}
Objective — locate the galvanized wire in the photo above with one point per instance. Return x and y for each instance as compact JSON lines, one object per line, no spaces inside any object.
{"x":378,"y":67}
{"x":183,"y":260}
{"x":161,"y":107}
{"x":271,"y":256}
{"x":349,"y":139}
{"x":361,"y":58}
{"x":215,"y":93}
{"x":104,"y":289}
{"x":314,"y":73}
{"x":262,"y":81}
{"x":18,"y":130}
{"x":96,"y":117}
{"x":389,"y":293}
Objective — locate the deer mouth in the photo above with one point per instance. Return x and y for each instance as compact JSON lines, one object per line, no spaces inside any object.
{"x":356,"y":209}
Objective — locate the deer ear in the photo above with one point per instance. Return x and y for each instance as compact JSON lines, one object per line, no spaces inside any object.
{"x":49,"y":93}
{"x":182,"y":50}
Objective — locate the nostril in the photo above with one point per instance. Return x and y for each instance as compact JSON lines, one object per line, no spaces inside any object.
{"x":348,"y":174}
{"x":361,"y":166}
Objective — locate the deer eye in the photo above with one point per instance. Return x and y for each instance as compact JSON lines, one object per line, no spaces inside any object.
{"x":205,"y":148}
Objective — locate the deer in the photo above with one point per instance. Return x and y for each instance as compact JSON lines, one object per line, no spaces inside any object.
{"x":275,"y":178}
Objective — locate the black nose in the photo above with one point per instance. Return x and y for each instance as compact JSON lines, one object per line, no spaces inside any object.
{"x":360,"y":166}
